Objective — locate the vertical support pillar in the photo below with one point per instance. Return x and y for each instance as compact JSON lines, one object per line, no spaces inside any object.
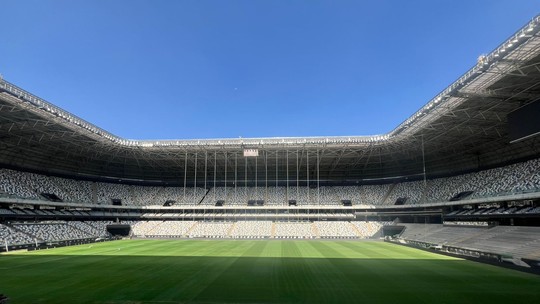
{"x":266,"y":174}
{"x":277,"y":164}
{"x":318,"y":187}
{"x":235,"y":175}
{"x":287,"y":177}
{"x":185,"y":176}
{"x":256,"y":180}
{"x":215,"y":170}
{"x":195,"y":180}
{"x":206,"y":169}
{"x":424,"y":166}
{"x":307,"y":176}
{"x":245,"y":177}
{"x":297,"y":174}
{"x":225,"y":178}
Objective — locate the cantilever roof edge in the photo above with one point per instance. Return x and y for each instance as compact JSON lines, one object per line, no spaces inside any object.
{"x":485,"y":62}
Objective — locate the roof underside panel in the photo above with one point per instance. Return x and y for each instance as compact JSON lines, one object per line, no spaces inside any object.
{"x":462,"y":129}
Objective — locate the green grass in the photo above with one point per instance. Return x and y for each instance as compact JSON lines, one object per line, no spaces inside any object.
{"x":211,"y":271}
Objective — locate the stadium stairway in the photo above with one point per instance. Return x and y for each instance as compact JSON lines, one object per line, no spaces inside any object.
{"x":203,"y":197}
{"x":23,"y":232}
{"x":423,"y":197}
{"x":154,"y":227}
{"x":356,"y":230}
{"x":94,"y":193}
{"x":273,"y":234}
{"x":315,"y":231}
{"x":336,"y":198}
{"x":385,"y":197}
{"x":62,"y":188}
{"x":94,"y":229}
{"x":231,"y":229}
{"x":191,"y":229}
{"x":77,"y":228}
{"x":160,"y":192}
{"x":377,"y":234}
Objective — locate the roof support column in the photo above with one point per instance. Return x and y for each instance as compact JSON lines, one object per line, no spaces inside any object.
{"x":195,"y":180}
{"x":225,"y":179}
{"x":185,"y":176}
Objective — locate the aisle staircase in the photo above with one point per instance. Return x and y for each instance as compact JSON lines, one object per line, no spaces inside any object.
{"x":204,"y":196}
{"x":190,"y":229}
{"x":153,"y":228}
{"x":231,"y":229}
{"x":315,"y":231}
{"x":356,"y":230}
{"x":23,"y":232}
{"x":385,"y":197}
{"x":92,"y":229}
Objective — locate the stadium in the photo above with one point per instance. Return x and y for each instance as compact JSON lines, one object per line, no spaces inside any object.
{"x":445,"y":207}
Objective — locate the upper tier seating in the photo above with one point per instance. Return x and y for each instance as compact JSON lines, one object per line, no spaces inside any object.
{"x":516,"y":178}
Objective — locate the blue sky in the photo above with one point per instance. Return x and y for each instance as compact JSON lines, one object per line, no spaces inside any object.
{"x":224,"y":69}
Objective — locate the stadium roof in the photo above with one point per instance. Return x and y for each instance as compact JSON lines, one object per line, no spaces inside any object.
{"x":461,"y":129}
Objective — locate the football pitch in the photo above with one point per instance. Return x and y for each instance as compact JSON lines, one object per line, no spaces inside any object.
{"x":253,"y":271}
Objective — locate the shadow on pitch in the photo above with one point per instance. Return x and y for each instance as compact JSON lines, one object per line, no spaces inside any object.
{"x":199,"y":279}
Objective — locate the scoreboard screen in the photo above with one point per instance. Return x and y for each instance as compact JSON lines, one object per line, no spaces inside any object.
{"x":251,"y":152}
